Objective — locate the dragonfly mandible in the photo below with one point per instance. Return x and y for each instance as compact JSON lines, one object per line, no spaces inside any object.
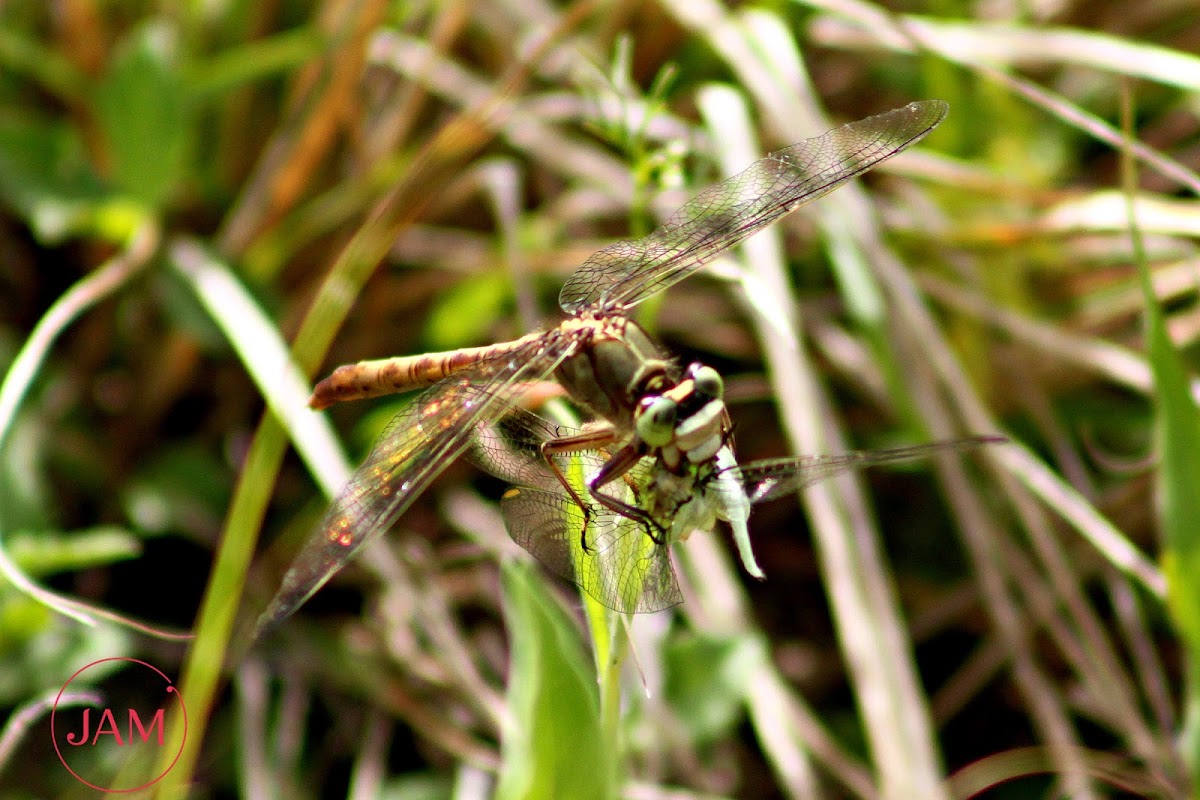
{"x":606,"y":363}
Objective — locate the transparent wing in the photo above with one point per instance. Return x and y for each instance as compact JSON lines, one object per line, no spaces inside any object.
{"x":416,"y":445}
{"x":626,"y":273}
{"x":772,"y":478}
{"x":510,"y":448}
{"x":624,"y":568}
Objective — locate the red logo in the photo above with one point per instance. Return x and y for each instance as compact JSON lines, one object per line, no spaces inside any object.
{"x":101,"y":746}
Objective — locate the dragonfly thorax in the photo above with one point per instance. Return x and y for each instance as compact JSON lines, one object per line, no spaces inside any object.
{"x":612,"y":367}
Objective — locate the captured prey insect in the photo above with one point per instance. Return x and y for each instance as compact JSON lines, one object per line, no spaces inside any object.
{"x":606,"y":363}
{"x":622,"y":561}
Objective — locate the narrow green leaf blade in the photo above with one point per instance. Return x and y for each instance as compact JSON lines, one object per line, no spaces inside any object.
{"x":1179,"y":481}
{"x":1178,"y":435}
{"x":553,"y":747}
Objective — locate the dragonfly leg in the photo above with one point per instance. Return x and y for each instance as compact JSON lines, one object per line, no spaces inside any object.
{"x":592,"y":439}
{"x":614,"y":468}
{"x":624,"y":460}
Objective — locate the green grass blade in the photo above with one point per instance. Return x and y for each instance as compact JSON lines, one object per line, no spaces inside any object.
{"x":554,"y":746}
{"x":1177,"y":430}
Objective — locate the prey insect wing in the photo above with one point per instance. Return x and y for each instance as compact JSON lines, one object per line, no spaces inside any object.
{"x":626,"y":567}
{"x":769,"y":479}
{"x":622,"y":566}
{"x":510,"y":447}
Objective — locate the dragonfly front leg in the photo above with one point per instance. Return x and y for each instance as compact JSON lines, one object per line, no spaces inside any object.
{"x":616,"y":467}
{"x":594,"y":439}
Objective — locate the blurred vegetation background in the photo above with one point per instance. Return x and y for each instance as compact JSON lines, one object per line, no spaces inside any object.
{"x":190,"y":190}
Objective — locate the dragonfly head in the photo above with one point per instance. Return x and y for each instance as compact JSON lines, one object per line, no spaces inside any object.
{"x":686,"y":423}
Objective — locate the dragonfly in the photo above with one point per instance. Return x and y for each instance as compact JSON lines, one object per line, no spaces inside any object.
{"x":643,"y":404}
{"x":626,"y":565}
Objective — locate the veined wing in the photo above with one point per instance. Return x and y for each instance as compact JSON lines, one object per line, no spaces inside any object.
{"x":725,"y":490}
{"x":416,"y":445}
{"x":511,"y":448}
{"x":626,"y":273}
{"x":769,"y":479}
{"x":624,"y":568}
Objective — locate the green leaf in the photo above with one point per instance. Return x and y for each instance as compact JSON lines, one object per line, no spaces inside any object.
{"x":23,"y":54}
{"x":45,"y":178}
{"x":25,"y":488}
{"x":553,"y":746}
{"x":464,"y":314}
{"x":1178,"y":482}
{"x":143,"y":110}
{"x":46,"y":553}
{"x":247,"y":63}
{"x":1178,"y":434}
{"x":419,"y":786}
{"x":706,"y":681}
{"x":1179,"y":479}
{"x":40,"y":649}
{"x":182,"y":488}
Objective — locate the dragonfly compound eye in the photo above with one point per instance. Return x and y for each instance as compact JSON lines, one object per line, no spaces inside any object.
{"x":656,"y":420}
{"x":708,"y":382}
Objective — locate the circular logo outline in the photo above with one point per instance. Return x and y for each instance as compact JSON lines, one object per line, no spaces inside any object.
{"x":171,"y":689}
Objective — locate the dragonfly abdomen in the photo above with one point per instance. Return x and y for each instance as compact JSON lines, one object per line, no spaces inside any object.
{"x":405,"y":373}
